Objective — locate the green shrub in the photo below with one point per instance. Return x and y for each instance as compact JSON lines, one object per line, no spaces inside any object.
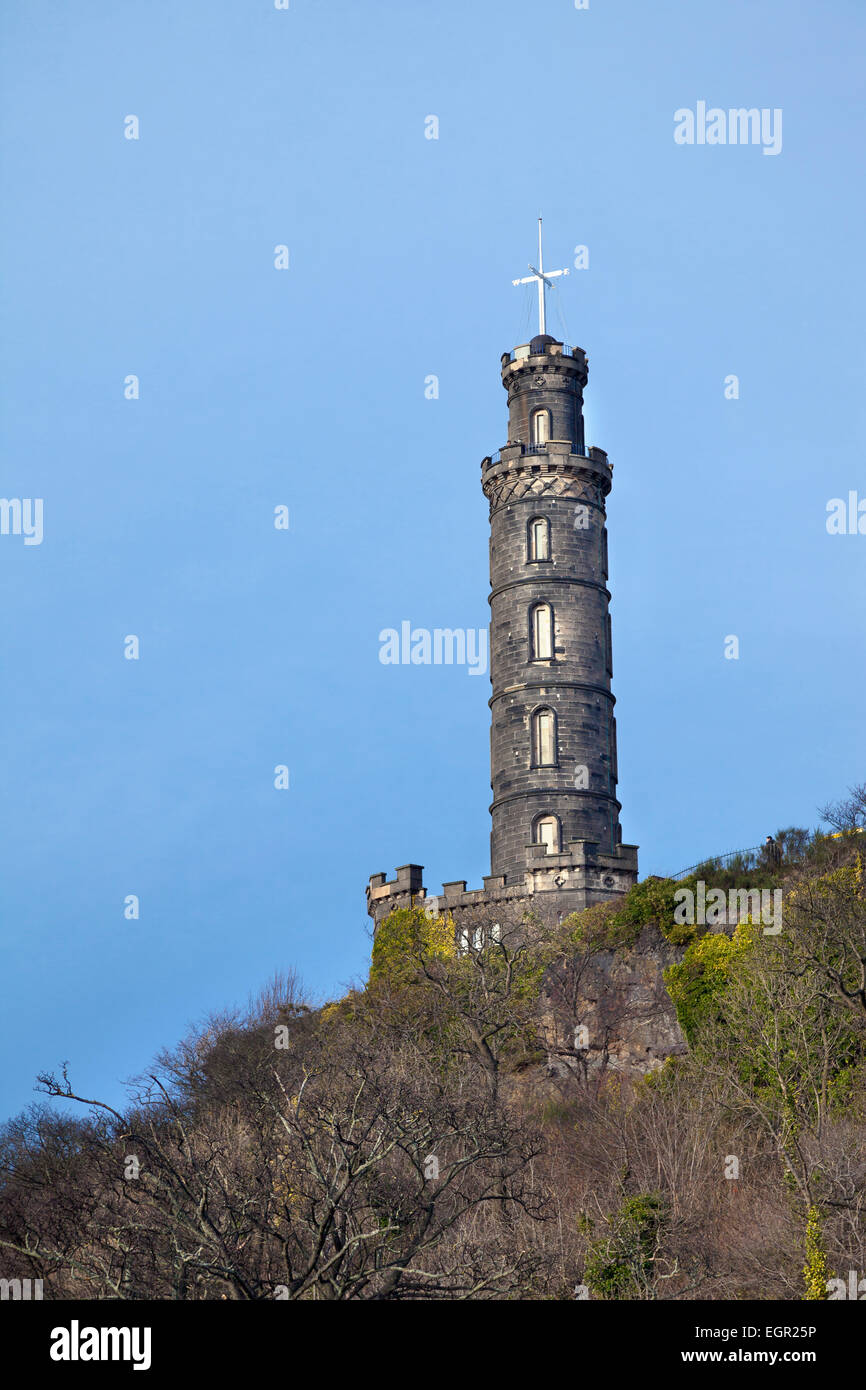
{"x":815,"y":1270}
{"x":620,"y":1265}
{"x":405,"y":938}
{"x":697,"y":985}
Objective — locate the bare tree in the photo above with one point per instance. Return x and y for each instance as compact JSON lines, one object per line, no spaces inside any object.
{"x":344,"y":1162}
{"x":849,"y":813}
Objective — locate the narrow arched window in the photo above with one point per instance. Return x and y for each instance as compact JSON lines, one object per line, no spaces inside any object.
{"x":541,"y":632}
{"x":540,"y":426}
{"x":547,"y":833}
{"x":538,"y":547}
{"x":544,"y":738}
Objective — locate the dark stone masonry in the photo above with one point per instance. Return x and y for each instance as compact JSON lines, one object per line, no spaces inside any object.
{"x":556,"y":845}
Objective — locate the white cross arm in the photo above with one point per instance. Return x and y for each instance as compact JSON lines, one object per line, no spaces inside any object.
{"x":542,"y":278}
{"x":539,"y":275}
{"x":545,"y":274}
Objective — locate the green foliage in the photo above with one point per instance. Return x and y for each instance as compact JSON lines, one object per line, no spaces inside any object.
{"x":652,"y":900}
{"x":742,"y":871}
{"x":620,"y":1265}
{"x":646,"y":901}
{"x":844,"y":883}
{"x":406,"y":939}
{"x":815,"y":1270}
{"x":697,"y":985}
{"x":598,"y":928}
{"x":464,"y":999}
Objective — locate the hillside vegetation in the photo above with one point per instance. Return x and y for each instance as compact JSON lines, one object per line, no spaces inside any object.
{"x":437,"y":1134}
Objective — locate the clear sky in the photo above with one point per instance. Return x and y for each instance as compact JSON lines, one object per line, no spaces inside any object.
{"x":306,"y":387}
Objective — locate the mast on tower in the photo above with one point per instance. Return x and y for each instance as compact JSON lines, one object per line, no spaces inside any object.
{"x":543,"y":279}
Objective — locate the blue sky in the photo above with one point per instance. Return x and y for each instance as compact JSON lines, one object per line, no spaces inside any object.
{"x":305,"y":387}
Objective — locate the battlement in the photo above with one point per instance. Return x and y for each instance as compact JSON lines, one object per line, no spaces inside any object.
{"x":562,"y":454}
{"x":543,"y":346}
{"x":553,"y":885}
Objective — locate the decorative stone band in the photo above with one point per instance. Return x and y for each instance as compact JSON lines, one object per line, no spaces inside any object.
{"x":566,"y":475}
{"x":544,"y":369}
{"x":530,"y":581}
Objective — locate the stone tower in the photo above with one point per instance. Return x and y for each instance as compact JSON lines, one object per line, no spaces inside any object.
{"x":556,"y":845}
{"x":553,"y":735}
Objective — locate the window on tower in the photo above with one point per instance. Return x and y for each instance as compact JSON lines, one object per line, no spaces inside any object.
{"x":540,"y":426}
{"x":546,"y":832}
{"x":544,"y":751}
{"x":541,"y":632}
{"x":539,"y":538}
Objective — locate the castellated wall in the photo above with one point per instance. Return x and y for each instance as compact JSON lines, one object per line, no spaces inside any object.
{"x":553,"y":886}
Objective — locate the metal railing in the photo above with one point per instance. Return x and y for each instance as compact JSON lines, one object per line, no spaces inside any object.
{"x":582,"y":449}
{"x":720,"y":861}
{"x":566,"y":348}
{"x":763,"y":854}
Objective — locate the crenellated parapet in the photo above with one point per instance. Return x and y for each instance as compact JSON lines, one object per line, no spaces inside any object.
{"x":553,"y":886}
